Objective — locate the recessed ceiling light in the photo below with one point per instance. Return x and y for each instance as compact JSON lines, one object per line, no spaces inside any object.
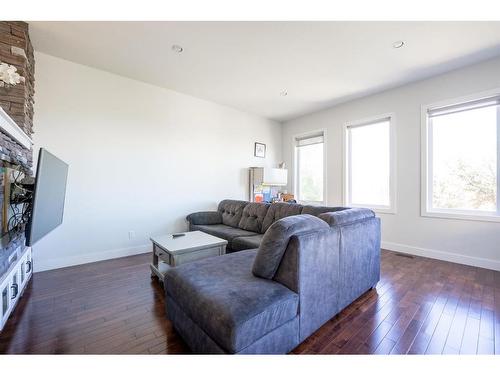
{"x":398,"y":44}
{"x":176,"y":48}
{"x":284,"y":93}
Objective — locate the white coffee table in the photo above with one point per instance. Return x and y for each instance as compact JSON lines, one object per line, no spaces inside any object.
{"x":171,"y":252}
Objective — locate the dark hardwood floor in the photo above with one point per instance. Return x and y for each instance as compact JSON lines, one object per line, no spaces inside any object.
{"x":419,"y":306}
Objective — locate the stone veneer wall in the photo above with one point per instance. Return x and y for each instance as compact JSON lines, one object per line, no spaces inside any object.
{"x":17,"y":101}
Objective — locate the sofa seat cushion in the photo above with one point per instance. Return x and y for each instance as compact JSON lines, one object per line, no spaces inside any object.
{"x":224,"y":231}
{"x":226,"y":301}
{"x":244,"y":243}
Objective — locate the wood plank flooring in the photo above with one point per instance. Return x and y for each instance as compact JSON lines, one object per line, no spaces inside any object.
{"x":420,"y":306}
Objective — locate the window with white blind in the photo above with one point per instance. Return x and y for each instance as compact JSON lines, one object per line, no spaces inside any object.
{"x":369,"y":165}
{"x":310,"y":168}
{"x":460,"y":159}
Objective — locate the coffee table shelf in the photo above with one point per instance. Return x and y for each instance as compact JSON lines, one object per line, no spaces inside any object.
{"x":169,"y":251}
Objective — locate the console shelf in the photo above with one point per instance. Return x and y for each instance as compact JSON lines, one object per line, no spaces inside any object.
{"x":13,"y":283}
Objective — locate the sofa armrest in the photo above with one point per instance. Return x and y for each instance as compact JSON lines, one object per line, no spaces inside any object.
{"x":310,"y":267}
{"x":205,"y":218}
{"x":275,"y":241}
{"x":348,"y":216}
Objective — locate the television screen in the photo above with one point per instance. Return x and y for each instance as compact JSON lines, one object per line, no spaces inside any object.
{"x":48,"y":196}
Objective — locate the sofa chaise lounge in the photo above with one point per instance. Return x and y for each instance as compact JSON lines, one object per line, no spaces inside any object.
{"x":266,"y":300}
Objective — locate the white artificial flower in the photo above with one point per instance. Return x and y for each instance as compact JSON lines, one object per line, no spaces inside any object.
{"x":9,"y":74}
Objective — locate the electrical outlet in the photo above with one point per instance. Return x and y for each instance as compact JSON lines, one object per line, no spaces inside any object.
{"x":131,"y":235}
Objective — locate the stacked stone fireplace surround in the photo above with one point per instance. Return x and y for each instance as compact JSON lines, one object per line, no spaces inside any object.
{"x":17,"y":102}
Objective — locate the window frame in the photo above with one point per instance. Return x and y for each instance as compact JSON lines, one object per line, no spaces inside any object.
{"x":346,"y":176}
{"x":295,"y":165}
{"x":426,"y":209}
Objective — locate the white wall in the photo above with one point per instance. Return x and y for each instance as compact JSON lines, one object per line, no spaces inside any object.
{"x":140,"y":158}
{"x":468,"y":242}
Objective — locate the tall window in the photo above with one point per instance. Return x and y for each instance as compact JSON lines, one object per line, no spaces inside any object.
{"x":461,"y":159}
{"x":369,"y":165}
{"x":309,"y":168}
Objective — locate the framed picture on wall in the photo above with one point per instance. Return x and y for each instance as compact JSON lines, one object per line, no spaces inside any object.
{"x":260,"y":150}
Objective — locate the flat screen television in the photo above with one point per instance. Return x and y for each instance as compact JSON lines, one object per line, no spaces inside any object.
{"x":48,"y":196}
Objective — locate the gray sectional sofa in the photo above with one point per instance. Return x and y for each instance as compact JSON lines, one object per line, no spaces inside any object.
{"x":302,"y":266}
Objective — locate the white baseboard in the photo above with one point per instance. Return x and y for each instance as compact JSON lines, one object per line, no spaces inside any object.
{"x":51,"y":264}
{"x":443,"y":255}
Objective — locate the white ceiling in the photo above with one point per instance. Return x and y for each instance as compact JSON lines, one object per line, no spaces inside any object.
{"x":246,"y":65}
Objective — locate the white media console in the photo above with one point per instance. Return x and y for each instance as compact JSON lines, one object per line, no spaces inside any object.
{"x":13,"y":283}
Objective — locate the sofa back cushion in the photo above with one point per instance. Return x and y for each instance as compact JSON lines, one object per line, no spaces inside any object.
{"x":348,"y":216}
{"x":317,"y":210}
{"x":275,"y":241}
{"x":278,"y":211}
{"x":231,"y":211}
{"x":253,"y":216}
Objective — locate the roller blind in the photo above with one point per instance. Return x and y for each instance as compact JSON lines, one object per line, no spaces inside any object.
{"x":310,"y":139}
{"x":368,"y":123}
{"x":456,"y":108}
